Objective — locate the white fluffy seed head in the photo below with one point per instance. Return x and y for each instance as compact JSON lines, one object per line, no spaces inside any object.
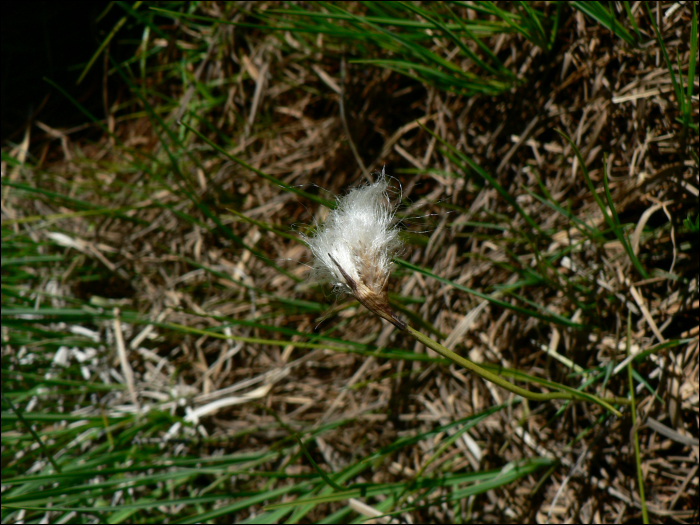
{"x":354,"y":247}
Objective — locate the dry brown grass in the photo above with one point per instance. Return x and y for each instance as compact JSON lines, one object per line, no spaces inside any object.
{"x":282,"y":115}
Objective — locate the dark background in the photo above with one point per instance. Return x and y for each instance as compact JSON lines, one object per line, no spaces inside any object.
{"x":53,"y":40}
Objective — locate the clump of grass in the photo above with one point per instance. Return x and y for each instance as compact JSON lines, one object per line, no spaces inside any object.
{"x":162,"y":354}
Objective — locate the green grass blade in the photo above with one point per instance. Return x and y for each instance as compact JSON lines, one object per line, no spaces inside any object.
{"x":549,"y":316}
{"x":676,"y":88}
{"x":612,"y":222}
{"x":633,"y":409}
{"x":606,"y":18}
{"x":692,"y":63}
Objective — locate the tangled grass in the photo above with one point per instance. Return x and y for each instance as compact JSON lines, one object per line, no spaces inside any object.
{"x":165,"y":358}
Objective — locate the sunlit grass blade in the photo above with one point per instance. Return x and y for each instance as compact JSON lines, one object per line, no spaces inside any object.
{"x":491,"y":180}
{"x":106,"y":42}
{"x":420,"y":62}
{"x":274,"y":180}
{"x":528,"y":23}
{"x":605,"y":18}
{"x":481,"y":482}
{"x":29,"y":427}
{"x":549,"y":316}
{"x":498,"y":70}
{"x":691,"y":68}
{"x":633,"y":22}
{"x":613,"y":222}
{"x":633,"y":409}
{"x":683,"y":104}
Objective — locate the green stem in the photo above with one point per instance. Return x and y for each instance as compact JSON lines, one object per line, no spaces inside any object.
{"x":637,"y":458}
{"x":19,"y":415}
{"x":566,"y":393}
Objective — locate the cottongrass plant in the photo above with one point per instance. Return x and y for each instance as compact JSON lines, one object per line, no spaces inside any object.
{"x":353,"y":251}
{"x":354,"y":247}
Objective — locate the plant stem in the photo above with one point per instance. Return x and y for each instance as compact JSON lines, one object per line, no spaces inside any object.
{"x":566,"y":393}
{"x":638,"y":461}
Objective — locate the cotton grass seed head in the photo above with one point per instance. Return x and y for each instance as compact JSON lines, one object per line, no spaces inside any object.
{"x":354,"y":247}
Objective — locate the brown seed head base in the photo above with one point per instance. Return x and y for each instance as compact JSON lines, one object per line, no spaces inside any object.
{"x":373,"y":301}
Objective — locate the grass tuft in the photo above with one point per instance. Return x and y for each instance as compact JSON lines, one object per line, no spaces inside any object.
{"x":165,"y":358}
